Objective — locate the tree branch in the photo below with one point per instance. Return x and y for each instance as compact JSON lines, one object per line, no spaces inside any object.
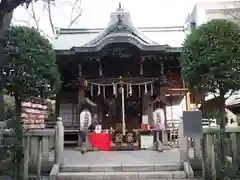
{"x":79,"y":13}
{"x":6,"y":6}
{"x":36,"y":20}
{"x":50,"y":17}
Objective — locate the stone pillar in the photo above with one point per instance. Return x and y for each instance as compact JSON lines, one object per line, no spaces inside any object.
{"x":26,"y":142}
{"x":183,"y":144}
{"x":59,"y":141}
{"x":197,"y":148}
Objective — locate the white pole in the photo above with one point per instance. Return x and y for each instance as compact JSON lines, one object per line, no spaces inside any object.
{"x":123,"y":111}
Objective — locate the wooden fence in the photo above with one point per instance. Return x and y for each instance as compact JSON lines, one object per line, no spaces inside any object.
{"x":38,"y":144}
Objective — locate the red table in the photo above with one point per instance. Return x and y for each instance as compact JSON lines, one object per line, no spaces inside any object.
{"x":100,"y":141}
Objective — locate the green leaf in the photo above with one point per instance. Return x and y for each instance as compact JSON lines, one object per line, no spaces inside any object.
{"x":29,"y":63}
{"x":211,"y":57}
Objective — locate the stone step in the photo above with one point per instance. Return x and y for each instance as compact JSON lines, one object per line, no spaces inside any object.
{"x":122,"y":168}
{"x":121,"y":175}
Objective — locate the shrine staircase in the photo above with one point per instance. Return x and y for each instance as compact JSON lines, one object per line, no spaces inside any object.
{"x":120,"y":172}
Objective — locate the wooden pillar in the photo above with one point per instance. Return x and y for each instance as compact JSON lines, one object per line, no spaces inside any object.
{"x":162,"y":97}
{"x":163,"y":91}
{"x":188,"y":101}
{"x":81,"y":96}
{"x":141,"y":66}
{"x":162,"y":68}
{"x":57,"y":105}
{"x":100,"y":69}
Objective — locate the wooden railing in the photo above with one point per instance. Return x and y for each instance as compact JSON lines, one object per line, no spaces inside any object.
{"x":38,"y":144}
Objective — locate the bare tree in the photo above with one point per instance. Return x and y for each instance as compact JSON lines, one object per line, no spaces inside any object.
{"x":7,"y":7}
{"x":70,"y":10}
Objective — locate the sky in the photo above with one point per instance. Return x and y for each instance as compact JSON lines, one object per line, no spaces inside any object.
{"x":96,"y":13}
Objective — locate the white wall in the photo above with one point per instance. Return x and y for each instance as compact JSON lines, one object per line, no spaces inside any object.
{"x":174,"y":110}
{"x":207,"y":11}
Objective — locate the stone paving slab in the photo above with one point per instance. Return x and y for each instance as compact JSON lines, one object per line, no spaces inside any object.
{"x":121,"y":168}
{"x":72,"y":157}
{"x":122,"y":175}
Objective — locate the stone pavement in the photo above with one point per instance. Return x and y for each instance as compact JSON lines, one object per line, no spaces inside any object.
{"x":143,"y":164}
{"x":72,"y":157}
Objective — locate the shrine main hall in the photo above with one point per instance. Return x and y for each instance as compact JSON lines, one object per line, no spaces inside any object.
{"x":121,"y":73}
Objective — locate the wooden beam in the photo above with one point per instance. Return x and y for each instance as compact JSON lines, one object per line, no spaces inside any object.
{"x":188,"y":101}
{"x":175,"y":94}
{"x":177,"y":89}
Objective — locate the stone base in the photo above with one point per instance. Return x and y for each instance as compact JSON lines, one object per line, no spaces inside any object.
{"x":85,"y":148}
{"x":137,"y":172}
{"x":160,"y":147}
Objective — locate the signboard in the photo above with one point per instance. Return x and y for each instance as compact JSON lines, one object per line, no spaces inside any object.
{"x":145,"y":119}
{"x":129,"y":137}
{"x":34,"y":113}
{"x":146,"y":141}
{"x":192,"y":124}
{"x":98,"y":129}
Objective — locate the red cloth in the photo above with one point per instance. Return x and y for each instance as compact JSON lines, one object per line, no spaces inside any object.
{"x":101,"y":141}
{"x":145,"y":126}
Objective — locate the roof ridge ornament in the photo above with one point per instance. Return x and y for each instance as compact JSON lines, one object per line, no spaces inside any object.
{"x":120,"y":12}
{"x":120,"y":24}
{"x":119,"y":5}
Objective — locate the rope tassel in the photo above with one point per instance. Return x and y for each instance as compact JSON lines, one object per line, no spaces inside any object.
{"x":145,"y":89}
{"x":151,"y":89}
{"x":139,"y":90}
{"x":104,"y":92}
{"x":99,"y":90}
{"x":130,"y":90}
{"x":114,"y":89}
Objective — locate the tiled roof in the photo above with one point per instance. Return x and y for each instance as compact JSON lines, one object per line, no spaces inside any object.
{"x":120,"y":25}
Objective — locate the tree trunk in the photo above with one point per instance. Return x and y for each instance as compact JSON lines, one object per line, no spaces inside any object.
{"x":4,"y":24}
{"x":19,"y":134}
{"x":18,"y":111}
{"x":222,"y":132}
{"x":2,"y":112}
